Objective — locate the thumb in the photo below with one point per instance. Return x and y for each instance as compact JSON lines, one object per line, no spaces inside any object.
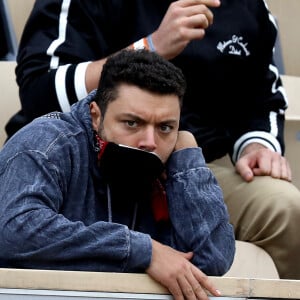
{"x":247,"y":176}
{"x":245,"y":171}
{"x":188,"y":255}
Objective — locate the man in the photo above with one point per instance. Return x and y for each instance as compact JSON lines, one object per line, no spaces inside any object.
{"x":71,"y":195}
{"x":234,"y":104}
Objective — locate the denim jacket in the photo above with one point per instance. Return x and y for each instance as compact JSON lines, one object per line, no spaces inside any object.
{"x":54,"y":206}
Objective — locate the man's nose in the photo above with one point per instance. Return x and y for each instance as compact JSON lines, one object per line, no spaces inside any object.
{"x":147,"y":140}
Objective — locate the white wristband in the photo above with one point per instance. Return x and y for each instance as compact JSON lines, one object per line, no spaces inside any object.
{"x":150,"y":43}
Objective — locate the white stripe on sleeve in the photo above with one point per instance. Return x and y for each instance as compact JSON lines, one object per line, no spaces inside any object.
{"x":60,"y":87}
{"x":260,"y":137}
{"x":62,"y":29}
{"x":79,"y":80}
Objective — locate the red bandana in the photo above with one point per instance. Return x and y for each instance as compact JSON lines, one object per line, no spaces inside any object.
{"x":159,"y":202}
{"x":100,"y":144}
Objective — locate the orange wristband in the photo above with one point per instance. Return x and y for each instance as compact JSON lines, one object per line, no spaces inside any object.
{"x":144,"y":43}
{"x":140,"y":44}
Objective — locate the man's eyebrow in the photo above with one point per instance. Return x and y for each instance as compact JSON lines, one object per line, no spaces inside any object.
{"x":132,"y":116}
{"x":169,"y":121}
{"x":138,"y":118}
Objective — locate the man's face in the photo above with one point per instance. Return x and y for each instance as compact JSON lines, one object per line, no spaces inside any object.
{"x":141,"y":119}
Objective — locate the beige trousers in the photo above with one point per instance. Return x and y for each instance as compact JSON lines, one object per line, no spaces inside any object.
{"x":265,"y":212}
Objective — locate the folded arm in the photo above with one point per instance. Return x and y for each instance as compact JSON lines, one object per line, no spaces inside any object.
{"x":198,"y":213}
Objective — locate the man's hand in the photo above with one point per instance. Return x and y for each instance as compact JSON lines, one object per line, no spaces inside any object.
{"x":184,"y":21}
{"x":256,"y":160}
{"x":174,"y":270}
{"x":185,"y":139}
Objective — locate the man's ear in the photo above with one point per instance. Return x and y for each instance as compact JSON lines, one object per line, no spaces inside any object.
{"x":96,"y":115}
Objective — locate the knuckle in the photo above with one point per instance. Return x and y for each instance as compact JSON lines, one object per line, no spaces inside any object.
{"x":189,"y":292}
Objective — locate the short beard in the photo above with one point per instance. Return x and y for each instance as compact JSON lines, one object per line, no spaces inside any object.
{"x":101,"y":131}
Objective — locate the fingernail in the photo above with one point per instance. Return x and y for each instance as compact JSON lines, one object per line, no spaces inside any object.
{"x":218,"y":292}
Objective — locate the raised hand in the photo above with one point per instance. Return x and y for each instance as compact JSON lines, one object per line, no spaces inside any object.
{"x":184,"y":21}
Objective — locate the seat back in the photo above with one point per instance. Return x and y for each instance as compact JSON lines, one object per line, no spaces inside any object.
{"x":251,"y":261}
{"x":8,"y":40}
{"x":9,"y":97}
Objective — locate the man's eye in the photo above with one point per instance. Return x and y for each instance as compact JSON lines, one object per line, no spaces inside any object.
{"x":131,"y":123}
{"x":166,"y":128}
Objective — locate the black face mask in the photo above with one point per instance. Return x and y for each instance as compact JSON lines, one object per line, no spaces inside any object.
{"x":121,"y":164}
{"x":131,"y":175}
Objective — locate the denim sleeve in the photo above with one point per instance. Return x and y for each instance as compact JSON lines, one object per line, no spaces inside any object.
{"x":34,"y":234}
{"x":199,"y":217}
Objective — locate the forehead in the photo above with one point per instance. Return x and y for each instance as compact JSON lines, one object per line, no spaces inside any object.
{"x":132,"y":99}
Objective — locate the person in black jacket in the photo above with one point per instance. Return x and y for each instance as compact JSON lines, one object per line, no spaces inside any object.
{"x":235,"y":102}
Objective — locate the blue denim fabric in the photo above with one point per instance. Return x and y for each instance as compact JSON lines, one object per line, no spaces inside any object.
{"x":200,"y":220}
{"x":54,"y":208}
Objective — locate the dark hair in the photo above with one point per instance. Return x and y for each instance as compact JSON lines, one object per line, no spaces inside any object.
{"x":141,"y":68}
